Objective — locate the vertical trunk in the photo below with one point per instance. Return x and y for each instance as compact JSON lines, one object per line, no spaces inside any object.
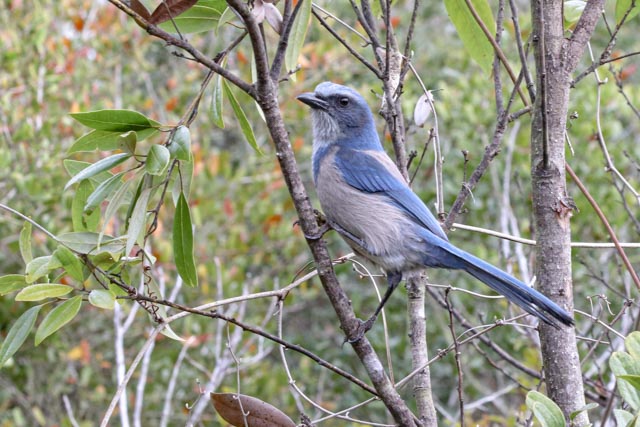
{"x":552,"y":206}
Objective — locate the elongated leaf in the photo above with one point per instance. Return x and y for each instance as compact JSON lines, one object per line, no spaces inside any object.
{"x":160,"y":311}
{"x":245,"y":126}
{"x":115,"y":120}
{"x":42,"y":291}
{"x":140,"y":9}
{"x":11,"y":283}
{"x":622,"y":6}
{"x":180,"y":146}
{"x":80,"y":221}
{"x":25,"y":242}
{"x":157,"y":160}
{"x":86,"y":242}
{"x":18,"y":334}
{"x":102,"y":298}
{"x":70,"y":263}
{"x":170,"y":9}
{"x":102,"y":191}
{"x":297,"y":36}
{"x":624,"y":418}
{"x":58,"y":317}
{"x":182,"y":183}
{"x":473,"y":38}
{"x":37,"y":268}
{"x":99,"y":166}
{"x":216,"y":102}
{"x":204,"y":16}
{"x":117,"y":201}
{"x":237,"y":409}
{"x":74,"y":167}
{"x":183,"y":243}
{"x":96,"y":140}
{"x":138,"y":220}
{"x":545,"y":410}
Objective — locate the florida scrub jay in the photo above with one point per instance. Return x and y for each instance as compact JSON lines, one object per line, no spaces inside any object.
{"x":368,"y":202}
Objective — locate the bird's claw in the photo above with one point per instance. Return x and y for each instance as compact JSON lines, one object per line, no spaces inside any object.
{"x":323,"y":224}
{"x":317,"y":236}
{"x":363,"y":327}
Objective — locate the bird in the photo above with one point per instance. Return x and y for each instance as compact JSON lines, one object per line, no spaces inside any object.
{"x":368,"y":202}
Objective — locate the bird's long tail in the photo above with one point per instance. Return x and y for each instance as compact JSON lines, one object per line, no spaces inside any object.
{"x":514,"y":290}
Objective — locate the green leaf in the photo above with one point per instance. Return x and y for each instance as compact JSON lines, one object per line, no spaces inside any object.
{"x":183,"y":243}
{"x":245,"y":126}
{"x":42,"y":291}
{"x":587,"y":407}
{"x":127,"y":142}
{"x":117,"y":201}
{"x":25,"y":242}
{"x":80,"y":221}
{"x":138,"y":220}
{"x":18,"y":334}
{"x":157,"y":160}
{"x":58,"y":317}
{"x":74,"y":167}
{"x":96,"y":140}
{"x":101,"y":192}
{"x":622,"y":363}
{"x":634,"y":380}
{"x":624,"y":418}
{"x":573,"y":10}
{"x":473,"y":38}
{"x":545,"y":410}
{"x":204,"y":16}
{"x":11,"y":283}
{"x":632,"y":344}
{"x":297,"y":36}
{"x":102,"y":298}
{"x":101,"y":165}
{"x":86,"y":242}
{"x":115,"y":120}
{"x":216,"y":102}
{"x":37,"y":268}
{"x":182,"y":182}
{"x":161,"y":311}
{"x":70,"y":263}
{"x":106,"y":140}
{"x":622,"y":6}
{"x":180,"y":146}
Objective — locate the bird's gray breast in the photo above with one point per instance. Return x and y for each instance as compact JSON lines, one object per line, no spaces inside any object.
{"x":386,"y":235}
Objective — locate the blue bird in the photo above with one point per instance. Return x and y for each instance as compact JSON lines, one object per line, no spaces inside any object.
{"x":368,"y":202}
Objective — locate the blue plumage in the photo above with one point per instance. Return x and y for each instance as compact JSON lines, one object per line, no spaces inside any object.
{"x":367,"y":201}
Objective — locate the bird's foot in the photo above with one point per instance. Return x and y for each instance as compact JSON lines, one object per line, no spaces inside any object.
{"x":322,"y":224}
{"x":363,"y":328}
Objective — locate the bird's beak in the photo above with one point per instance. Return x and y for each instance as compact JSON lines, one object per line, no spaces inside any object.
{"x":313,"y":101}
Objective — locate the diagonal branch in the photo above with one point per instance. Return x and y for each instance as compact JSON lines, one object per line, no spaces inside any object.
{"x":172,"y":40}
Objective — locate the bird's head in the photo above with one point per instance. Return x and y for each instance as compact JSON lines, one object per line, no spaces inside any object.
{"x":340,"y":115}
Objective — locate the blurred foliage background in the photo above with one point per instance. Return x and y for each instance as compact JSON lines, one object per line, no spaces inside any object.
{"x":78,"y":55}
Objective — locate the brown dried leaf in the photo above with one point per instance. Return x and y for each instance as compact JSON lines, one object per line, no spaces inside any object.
{"x":258,"y":413}
{"x":140,"y":9}
{"x":170,"y":9}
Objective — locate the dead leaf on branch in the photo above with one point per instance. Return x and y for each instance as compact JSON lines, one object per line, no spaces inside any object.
{"x":236,"y":408}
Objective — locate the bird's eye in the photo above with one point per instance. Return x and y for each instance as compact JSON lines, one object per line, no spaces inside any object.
{"x":344,"y":101}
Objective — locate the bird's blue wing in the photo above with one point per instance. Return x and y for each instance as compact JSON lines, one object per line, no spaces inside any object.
{"x":375,"y":172}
